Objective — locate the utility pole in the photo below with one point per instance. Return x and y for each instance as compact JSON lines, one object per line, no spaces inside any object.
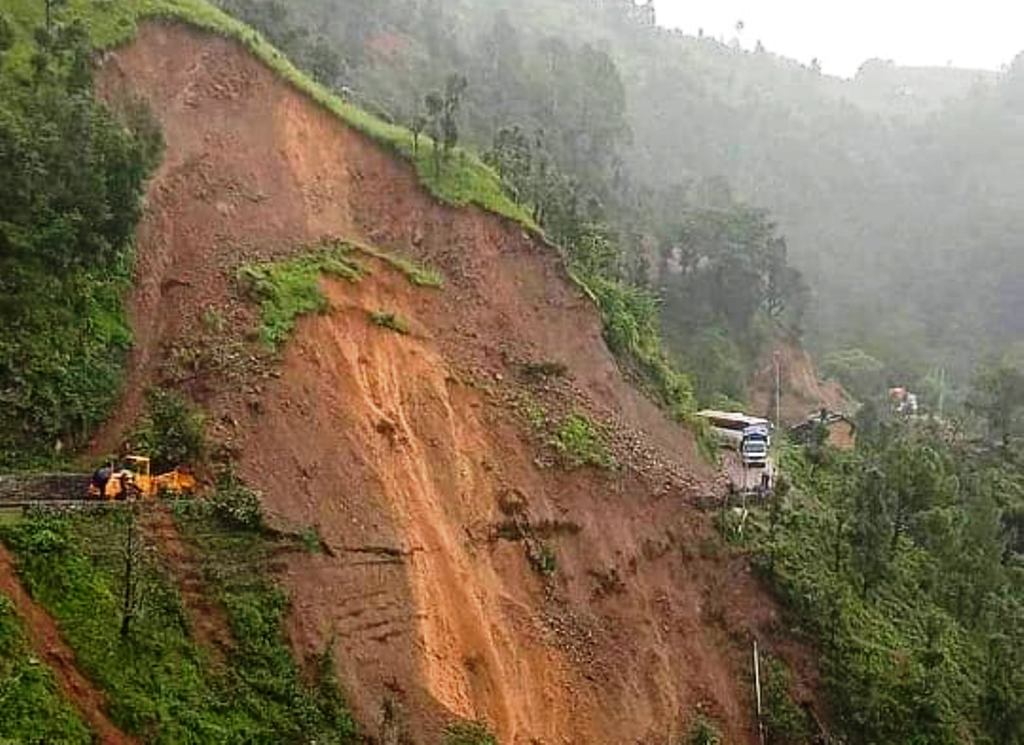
{"x":942,"y":391}
{"x":757,"y":693}
{"x":778,"y":390}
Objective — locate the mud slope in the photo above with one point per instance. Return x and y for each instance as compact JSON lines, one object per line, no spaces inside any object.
{"x":803,"y":390}
{"x":406,"y":452}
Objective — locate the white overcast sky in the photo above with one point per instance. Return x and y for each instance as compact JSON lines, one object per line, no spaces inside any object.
{"x":843,"y":33}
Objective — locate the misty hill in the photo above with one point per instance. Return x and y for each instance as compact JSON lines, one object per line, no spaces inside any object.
{"x":895,"y":190}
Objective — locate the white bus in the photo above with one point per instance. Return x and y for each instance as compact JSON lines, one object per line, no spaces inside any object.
{"x":730,"y":426}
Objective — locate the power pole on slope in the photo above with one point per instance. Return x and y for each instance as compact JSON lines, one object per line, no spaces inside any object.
{"x":757,"y":693}
{"x":778,"y":390}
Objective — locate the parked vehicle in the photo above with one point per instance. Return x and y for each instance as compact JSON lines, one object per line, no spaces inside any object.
{"x":754,"y":450}
{"x":731,"y":427}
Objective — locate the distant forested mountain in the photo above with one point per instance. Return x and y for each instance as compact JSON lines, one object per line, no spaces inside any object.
{"x":897,"y":193}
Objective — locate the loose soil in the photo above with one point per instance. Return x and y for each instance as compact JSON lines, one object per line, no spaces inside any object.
{"x":48,"y":644}
{"x":406,"y":451}
{"x":803,"y":391}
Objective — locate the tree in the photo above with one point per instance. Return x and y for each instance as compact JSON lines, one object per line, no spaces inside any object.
{"x":134,"y":555}
{"x":871,"y":533}
{"x":418,"y":124}
{"x":434,"y":103}
{"x":511,"y":155}
{"x":997,"y":397}
{"x":52,"y":6}
{"x":6,"y":33}
{"x":454,"y":88}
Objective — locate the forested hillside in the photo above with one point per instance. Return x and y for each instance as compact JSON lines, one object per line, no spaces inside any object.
{"x":895,"y":192}
{"x":70,"y":195}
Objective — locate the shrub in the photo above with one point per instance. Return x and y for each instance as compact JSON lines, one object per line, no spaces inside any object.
{"x":580,"y":443}
{"x":287,"y":290}
{"x":390,"y":321}
{"x":703,"y":732}
{"x":468,"y":733}
{"x":786,"y":723}
{"x":236,"y":505}
{"x":542,"y":558}
{"x":545,"y":369}
{"x":172,"y":432}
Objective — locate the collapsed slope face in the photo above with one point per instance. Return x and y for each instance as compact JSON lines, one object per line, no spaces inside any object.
{"x":407,"y":452}
{"x":802,"y":390}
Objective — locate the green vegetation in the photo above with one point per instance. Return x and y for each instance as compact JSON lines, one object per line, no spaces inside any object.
{"x":389,"y":321}
{"x":703,"y":732}
{"x":904,"y":559}
{"x":73,"y":173}
{"x":162,"y":683}
{"x":580,"y":443}
{"x":785,"y":723}
{"x":464,"y":180}
{"x":468,"y":733}
{"x":290,"y":288}
{"x":32,"y":705}
{"x":542,"y":558}
{"x":171,"y":433}
{"x":535,"y":414}
{"x":236,"y":505}
{"x":418,"y":275}
{"x":632,"y":330}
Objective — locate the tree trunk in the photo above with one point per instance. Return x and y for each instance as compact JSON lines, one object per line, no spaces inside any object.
{"x":127,"y":610}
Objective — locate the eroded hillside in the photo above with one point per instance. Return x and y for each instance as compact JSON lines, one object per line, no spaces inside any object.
{"x":423,"y":459}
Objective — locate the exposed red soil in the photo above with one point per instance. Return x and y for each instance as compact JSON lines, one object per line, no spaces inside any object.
{"x":803,"y":391}
{"x":403,"y":451}
{"x":47,"y":642}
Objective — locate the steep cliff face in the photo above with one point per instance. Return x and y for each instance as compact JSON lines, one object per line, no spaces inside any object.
{"x":411,"y":454}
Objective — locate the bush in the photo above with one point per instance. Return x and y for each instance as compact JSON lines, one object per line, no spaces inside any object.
{"x":703,"y":732}
{"x":580,"y":443}
{"x":287,"y":290}
{"x":542,"y":558}
{"x":172,"y":432}
{"x":468,"y":733}
{"x":73,"y":175}
{"x":390,"y":321}
{"x":236,"y":505}
{"x":785,"y":722}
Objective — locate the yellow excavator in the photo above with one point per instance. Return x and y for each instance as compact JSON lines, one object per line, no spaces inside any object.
{"x":134,"y":480}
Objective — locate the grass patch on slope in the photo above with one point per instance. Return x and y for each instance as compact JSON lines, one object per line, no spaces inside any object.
{"x":390,"y":321}
{"x":465,"y":179}
{"x":630,"y":317}
{"x":32,"y":708}
{"x":290,"y":288}
{"x":579,"y":442}
{"x":417,"y":274}
{"x":162,"y":685}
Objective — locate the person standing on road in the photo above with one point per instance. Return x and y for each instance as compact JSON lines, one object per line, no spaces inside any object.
{"x":102,"y":477}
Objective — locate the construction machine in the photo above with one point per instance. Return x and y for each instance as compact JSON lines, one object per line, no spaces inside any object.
{"x":134,"y":480}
